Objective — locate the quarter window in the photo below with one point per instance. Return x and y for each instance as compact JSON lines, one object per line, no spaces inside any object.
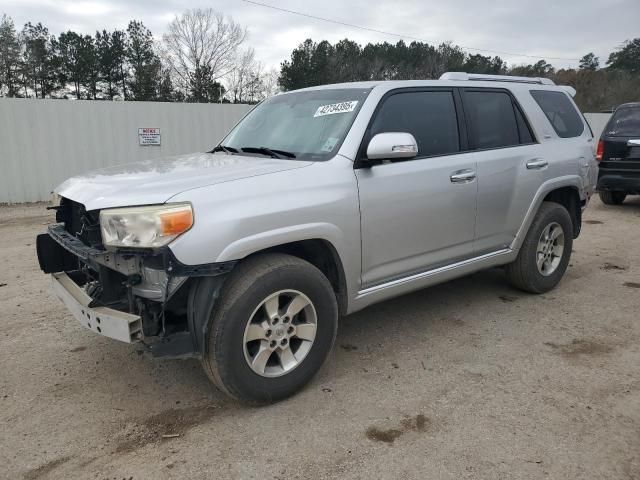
{"x":523,"y":128}
{"x":560,"y":111}
{"x":494,"y":121}
{"x":429,"y":116}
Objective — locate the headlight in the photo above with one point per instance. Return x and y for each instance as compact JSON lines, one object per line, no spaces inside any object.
{"x":145,"y":227}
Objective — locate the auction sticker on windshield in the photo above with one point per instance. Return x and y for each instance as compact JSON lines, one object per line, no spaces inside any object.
{"x":343,"y":107}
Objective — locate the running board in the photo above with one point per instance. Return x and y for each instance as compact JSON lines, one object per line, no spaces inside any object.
{"x":417,"y":281}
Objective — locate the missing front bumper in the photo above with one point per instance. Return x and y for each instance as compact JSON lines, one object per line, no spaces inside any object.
{"x":143,"y":285}
{"x":102,"y":320}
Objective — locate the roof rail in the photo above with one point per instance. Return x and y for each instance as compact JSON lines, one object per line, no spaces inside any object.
{"x":462,"y":76}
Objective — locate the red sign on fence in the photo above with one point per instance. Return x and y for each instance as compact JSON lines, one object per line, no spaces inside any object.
{"x":148,"y":136}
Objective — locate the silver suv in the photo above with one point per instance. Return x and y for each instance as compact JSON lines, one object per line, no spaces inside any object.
{"x":317,"y":204}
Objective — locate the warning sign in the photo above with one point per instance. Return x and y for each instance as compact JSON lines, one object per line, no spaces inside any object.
{"x":148,"y":136}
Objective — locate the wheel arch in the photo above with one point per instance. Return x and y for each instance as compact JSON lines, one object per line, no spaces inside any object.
{"x":320,"y":244}
{"x":569,"y":198}
{"x":323,"y":255}
{"x":563,"y":190}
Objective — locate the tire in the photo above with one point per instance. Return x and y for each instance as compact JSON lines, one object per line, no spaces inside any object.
{"x":525,"y":273}
{"x":229,"y":355}
{"x":612,"y":198}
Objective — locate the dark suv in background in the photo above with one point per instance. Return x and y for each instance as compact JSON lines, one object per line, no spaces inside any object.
{"x":619,"y":155}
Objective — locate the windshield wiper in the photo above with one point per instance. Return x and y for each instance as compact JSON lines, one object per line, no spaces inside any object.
{"x":222,"y":148}
{"x":272,"y":152}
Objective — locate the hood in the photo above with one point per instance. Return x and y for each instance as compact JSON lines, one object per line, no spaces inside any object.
{"x":156,"y":181}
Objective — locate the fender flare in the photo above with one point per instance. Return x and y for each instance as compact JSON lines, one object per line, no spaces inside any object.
{"x":204,"y":293}
{"x":244,"y":247}
{"x":572,"y":181}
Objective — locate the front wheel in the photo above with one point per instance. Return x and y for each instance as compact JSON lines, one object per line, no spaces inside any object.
{"x":273,"y":328}
{"x":545,"y":252}
{"x":612,"y":198}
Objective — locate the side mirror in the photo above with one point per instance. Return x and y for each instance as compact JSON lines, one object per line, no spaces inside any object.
{"x":386,"y":146}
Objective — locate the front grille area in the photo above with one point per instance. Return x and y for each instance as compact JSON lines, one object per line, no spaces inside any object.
{"x":80,"y":223}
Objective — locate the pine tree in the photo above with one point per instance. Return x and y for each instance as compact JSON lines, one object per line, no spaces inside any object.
{"x":92,"y":67}
{"x":119,"y":54}
{"x":589,"y":62}
{"x":626,"y":58}
{"x":166,"y":92}
{"x":41,"y":64}
{"x":143,"y":62}
{"x":10,"y":63}
{"x":111,"y":57}
{"x":74,"y":70}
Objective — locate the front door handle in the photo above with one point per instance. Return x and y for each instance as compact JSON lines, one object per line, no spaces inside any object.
{"x":463,"y":176}
{"x":537,"y":164}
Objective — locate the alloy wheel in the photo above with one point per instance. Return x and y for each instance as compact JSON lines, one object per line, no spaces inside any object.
{"x":280,"y":333}
{"x":550,"y":249}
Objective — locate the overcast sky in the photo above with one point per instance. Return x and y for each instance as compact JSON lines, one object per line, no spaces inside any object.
{"x":545,"y":28}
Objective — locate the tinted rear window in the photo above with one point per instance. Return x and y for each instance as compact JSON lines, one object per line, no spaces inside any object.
{"x":492,"y":119}
{"x":562,"y":115}
{"x":625,"y":122}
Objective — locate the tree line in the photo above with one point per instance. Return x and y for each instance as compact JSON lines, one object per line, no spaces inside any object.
{"x":599,"y":89}
{"x":201,"y":58}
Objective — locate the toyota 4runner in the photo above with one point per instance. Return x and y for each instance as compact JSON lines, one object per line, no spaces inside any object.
{"x":317,"y":204}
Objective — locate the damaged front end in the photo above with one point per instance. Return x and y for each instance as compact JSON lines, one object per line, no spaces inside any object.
{"x":132,"y":295}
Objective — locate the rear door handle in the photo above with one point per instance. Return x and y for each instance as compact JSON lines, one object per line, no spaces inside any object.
{"x":537,"y":164}
{"x":463,"y":176}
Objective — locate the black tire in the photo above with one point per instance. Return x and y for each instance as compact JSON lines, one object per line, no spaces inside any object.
{"x":523,"y":273}
{"x":612,"y":198}
{"x":251,"y":282}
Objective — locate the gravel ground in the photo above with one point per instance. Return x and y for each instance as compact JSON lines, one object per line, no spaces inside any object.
{"x":470,"y":379}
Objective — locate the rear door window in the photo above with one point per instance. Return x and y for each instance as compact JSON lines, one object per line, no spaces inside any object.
{"x":430,"y":116}
{"x":625,"y":122}
{"x":560,"y":111}
{"x":494,"y":121}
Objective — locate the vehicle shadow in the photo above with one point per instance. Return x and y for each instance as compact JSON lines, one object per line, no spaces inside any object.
{"x":632,"y":202}
{"x":426,"y":312}
{"x":402,"y":322}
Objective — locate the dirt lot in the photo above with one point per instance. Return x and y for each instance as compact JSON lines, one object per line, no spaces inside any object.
{"x":470,"y":379}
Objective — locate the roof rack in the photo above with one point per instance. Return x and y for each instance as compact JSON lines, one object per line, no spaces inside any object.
{"x":463,"y":76}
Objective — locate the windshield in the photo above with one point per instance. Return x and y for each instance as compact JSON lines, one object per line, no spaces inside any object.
{"x":625,"y":122}
{"x":310,"y":125}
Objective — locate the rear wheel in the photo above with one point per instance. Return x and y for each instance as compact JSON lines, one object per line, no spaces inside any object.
{"x":545,"y":252}
{"x":612,"y":198}
{"x":272,"y":330}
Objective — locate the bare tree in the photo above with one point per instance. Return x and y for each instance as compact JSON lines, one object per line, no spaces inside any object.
{"x":201,"y":47}
{"x":270,"y":83}
{"x":249,"y":82}
{"x":254,"y":87}
{"x":239,"y":78}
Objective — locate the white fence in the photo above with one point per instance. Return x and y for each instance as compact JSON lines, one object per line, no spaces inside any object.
{"x":597,"y":121}
{"x":43,"y":142}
